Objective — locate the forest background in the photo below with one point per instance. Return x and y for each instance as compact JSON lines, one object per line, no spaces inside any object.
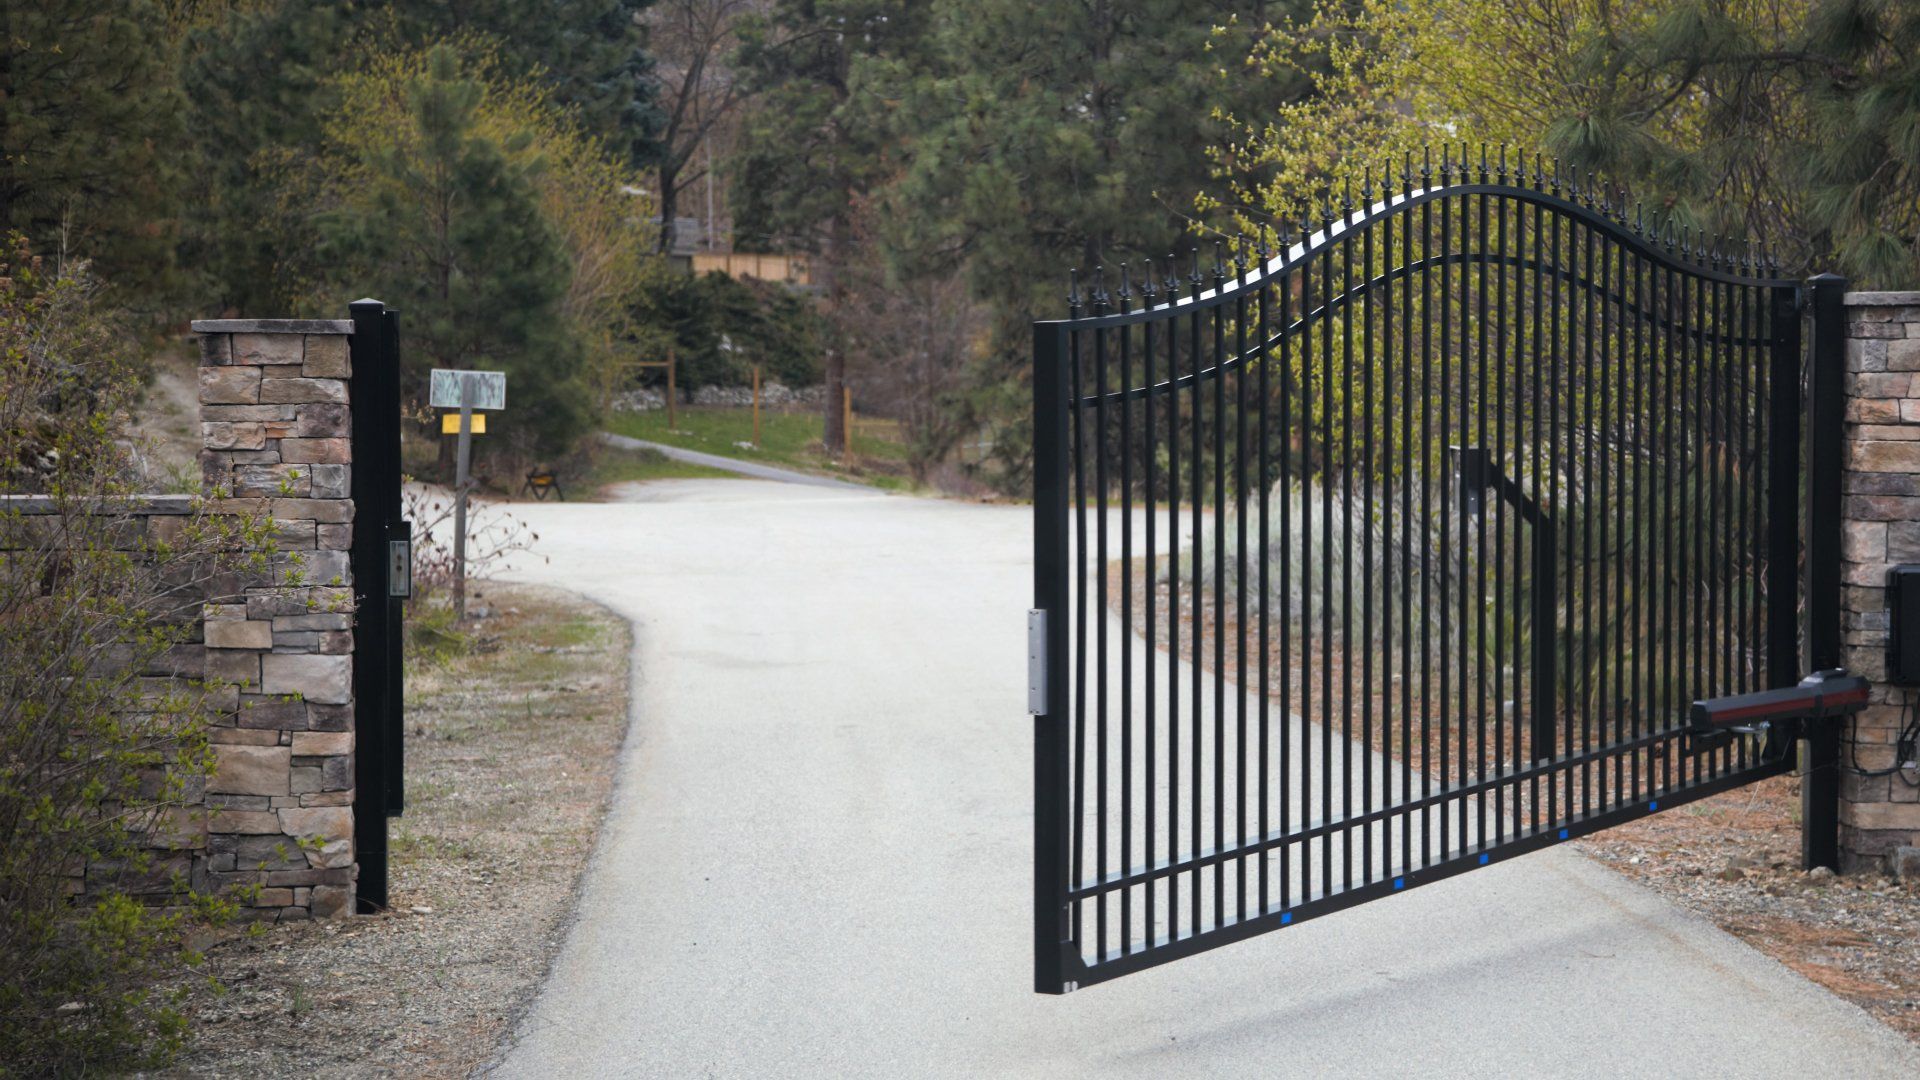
{"x":509,"y":174}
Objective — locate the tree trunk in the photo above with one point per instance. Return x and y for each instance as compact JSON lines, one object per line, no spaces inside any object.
{"x":834,"y":434}
{"x":669,"y":201}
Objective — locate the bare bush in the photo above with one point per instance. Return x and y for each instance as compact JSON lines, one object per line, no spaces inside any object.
{"x":495,"y":540}
{"x":104,"y":713}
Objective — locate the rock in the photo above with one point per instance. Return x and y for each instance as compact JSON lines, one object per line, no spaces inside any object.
{"x":297,"y":391}
{"x":318,"y":677}
{"x":322,"y":823}
{"x":1821,"y":873}
{"x":332,"y":855}
{"x":330,"y":481}
{"x":1904,"y":864}
{"x":254,"y":822}
{"x":229,"y":385}
{"x":1732,"y":873}
{"x":327,"y":357}
{"x":267,"y":350}
{"x":249,"y":770}
{"x":330,"y":901}
{"x":322,"y":743}
{"x":239,"y":634}
{"x":315,"y":451}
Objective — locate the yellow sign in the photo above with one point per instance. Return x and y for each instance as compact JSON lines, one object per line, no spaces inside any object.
{"x":450,"y":423}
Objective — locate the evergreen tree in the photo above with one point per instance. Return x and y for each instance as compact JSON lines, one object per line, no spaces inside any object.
{"x":1864,"y":170}
{"x":1053,"y":136}
{"x":818,"y":141}
{"x":258,"y":84}
{"x":442,"y":224}
{"x":89,"y":119}
{"x":593,"y":52}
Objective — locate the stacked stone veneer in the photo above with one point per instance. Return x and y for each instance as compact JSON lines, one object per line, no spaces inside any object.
{"x":274,"y":414}
{"x":1879,"y":815}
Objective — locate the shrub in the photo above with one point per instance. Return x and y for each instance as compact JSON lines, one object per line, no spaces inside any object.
{"x":104,"y":721}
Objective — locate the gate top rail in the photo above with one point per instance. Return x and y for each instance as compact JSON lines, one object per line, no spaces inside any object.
{"x":1665,"y":251}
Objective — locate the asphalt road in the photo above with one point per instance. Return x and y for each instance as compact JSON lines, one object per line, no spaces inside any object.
{"x":734,"y":465}
{"x":818,"y":859}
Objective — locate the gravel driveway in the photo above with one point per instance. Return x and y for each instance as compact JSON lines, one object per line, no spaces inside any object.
{"x":818,"y":858}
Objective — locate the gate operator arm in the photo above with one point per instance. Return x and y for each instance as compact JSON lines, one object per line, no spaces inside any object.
{"x":1821,"y":695}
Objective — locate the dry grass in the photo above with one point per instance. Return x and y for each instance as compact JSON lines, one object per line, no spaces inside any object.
{"x":511,"y":748}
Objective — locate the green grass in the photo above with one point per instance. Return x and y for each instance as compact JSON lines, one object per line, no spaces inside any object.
{"x":612,"y":465}
{"x":787,"y":439}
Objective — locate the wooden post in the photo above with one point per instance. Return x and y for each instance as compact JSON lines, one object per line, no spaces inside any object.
{"x":846,"y":416}
{"x":756,"y":406}
{"x":672,"y":421}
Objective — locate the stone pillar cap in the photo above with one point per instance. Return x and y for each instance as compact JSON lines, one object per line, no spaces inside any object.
{"x":1883,"y":299}
{"x":272,"y":326}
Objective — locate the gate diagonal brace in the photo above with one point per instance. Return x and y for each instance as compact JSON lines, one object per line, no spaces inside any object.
{"x":1821,"y":696}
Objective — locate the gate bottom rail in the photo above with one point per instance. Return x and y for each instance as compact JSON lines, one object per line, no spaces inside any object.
{"x":1120,"y":962}
{"x":1090,"y":889}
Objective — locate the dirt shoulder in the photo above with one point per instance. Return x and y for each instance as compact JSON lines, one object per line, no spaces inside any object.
{"x":511,"y":747}
{"x":1735,"y":858}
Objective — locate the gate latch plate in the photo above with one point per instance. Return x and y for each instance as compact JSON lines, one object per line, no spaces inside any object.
{"x":400,"y":568}
{"x":1037,"y":662}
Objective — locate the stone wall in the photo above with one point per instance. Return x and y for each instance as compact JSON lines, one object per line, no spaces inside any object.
{"x":1879,"y":815}
{"x":277,"y":436}
{"x":273,"y":824}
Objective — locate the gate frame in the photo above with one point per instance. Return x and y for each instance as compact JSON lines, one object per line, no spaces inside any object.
{"x":1807,"y":632}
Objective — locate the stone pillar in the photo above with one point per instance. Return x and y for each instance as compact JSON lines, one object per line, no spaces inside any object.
{"x":274,"y":413}
{"x":1879,"y":815}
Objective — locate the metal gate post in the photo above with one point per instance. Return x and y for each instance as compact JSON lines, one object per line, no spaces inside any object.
{"x":1820,"y":755}
{"x":377,"y":676}
{"x":1050,"y":576}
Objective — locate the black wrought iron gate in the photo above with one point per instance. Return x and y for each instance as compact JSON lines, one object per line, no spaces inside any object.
{"x":1400,"y":550}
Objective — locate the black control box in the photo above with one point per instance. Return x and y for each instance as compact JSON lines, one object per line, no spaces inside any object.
{"x":1903,"y":625}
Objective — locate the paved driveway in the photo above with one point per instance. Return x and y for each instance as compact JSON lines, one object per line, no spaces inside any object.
{"x":819,"y":855}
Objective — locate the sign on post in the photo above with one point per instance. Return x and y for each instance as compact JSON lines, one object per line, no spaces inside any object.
{"x":484,"y":389}
{"x":451,"y":388}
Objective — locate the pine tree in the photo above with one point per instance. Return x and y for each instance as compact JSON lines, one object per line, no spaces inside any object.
{"x":1052,"y":136}
{"x":89,"y":118}
{"x":440,"y":223}
{"x":818,"y":141}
